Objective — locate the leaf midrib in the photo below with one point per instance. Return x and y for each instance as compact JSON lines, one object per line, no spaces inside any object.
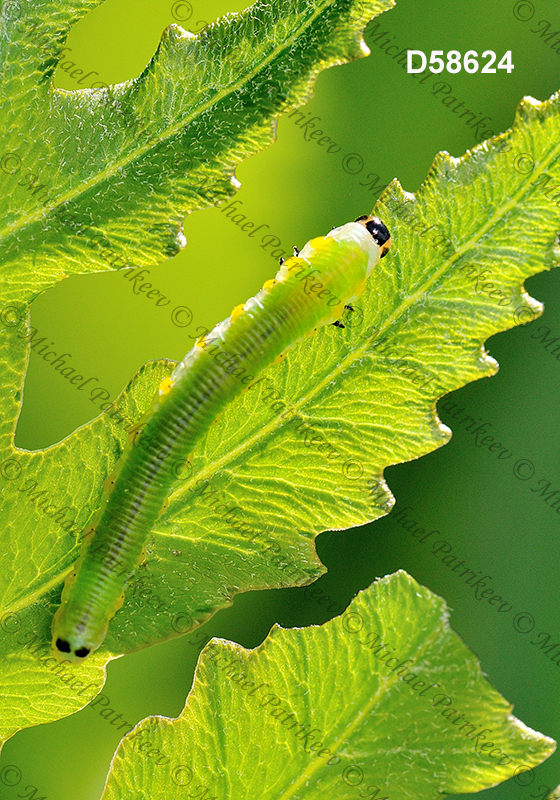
{"x":385,"y":687}
{"x":115,"y":166}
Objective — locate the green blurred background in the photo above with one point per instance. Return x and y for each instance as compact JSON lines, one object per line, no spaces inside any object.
{"x":394,"y":126}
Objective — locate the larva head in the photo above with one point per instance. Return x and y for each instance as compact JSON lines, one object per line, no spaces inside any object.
{"x":378,"y":230}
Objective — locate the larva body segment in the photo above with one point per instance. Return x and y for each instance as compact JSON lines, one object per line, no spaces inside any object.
{"x":309,"y":290}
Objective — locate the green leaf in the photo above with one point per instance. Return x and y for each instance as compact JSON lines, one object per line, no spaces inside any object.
{"x":119,"y":168}
{"x":96,"y":179}
{"x":387,"y":695}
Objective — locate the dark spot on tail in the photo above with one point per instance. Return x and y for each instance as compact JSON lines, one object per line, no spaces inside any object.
{"x":63,"y":646}
{"x":82,"y":652}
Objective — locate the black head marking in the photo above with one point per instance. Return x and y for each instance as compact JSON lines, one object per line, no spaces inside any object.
{"x":63,"y":646}
{"x":82,"y":652}
{"x":378,"y":230}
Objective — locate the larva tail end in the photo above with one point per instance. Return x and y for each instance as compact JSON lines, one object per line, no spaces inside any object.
{"x":62,"y":650}
{"x":67,"y":644}
{"x":61,"y":645}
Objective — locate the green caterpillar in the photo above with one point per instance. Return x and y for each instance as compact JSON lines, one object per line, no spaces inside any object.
{"x":309,"y":290}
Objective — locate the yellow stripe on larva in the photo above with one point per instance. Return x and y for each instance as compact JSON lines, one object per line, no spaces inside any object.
{"x":165,"y":386}
{"x":237,"y":311}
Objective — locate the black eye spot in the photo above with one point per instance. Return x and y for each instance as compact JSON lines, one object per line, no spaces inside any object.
{"x":379,"y":232}
{"x":82,"y":652}
{"x":63,"y":646}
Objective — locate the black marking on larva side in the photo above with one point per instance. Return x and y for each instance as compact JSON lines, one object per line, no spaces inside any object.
{"x":259,"y":332}
{"x":109,"y":483}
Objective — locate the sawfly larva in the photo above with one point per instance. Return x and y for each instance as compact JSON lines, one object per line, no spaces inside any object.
{"x":310,"y":289}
